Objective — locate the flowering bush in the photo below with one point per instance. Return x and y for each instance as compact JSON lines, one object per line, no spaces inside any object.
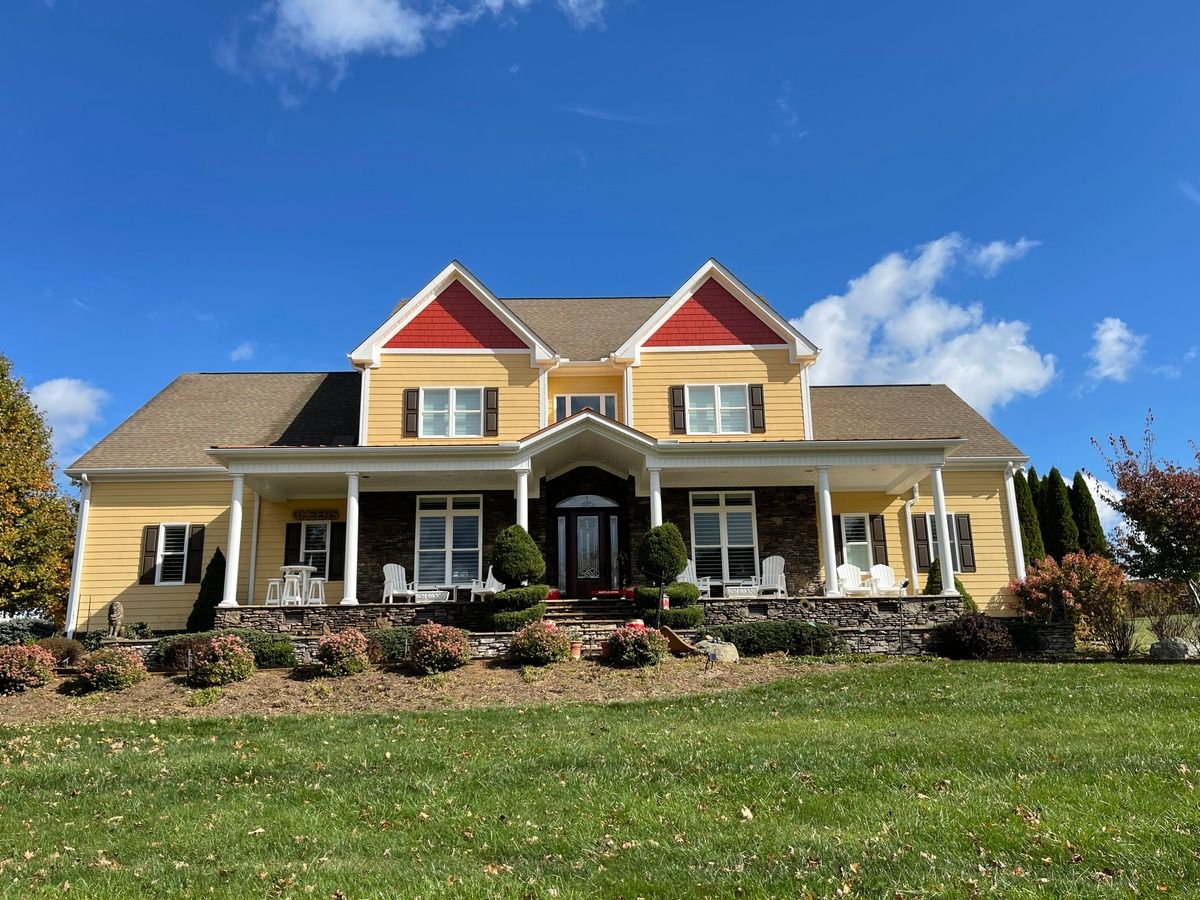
{"x":1087,"y":590}
{"x":220,"y":660}
{"x":439,"y":648}
{"x":636,"y":645}
{"x":111,"y":669}
{"x":23,"y":667}
{"x":540,"y":643}
{"x":343,"y":653}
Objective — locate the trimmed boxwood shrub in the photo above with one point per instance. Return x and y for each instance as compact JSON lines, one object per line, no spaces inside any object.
{"x":343,"y":653}
{"x":24,"y":666}
{"x":111,"y":669}
{"x":685,"y":618}
{"x":24,"y":629}
{"x":270,"y":650}
{"x":636,"y":645}
{"x":974,"y":636}
{"x":789,"y":636}
{"x":220,"y":660}
{"x":520,"y":597}
{"x":439,"y":648}
{"x":515,"y":620}
{"x":389,"y":646}
{"x":680,"y":593}
{"x":516,"y":559}
{"x":65,"y":650}
{"x":539,"y":644}
{"x":662,"y":554}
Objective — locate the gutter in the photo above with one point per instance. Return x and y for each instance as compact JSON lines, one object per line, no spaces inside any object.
{"x":85,"y":504}
{"x":912,"y":541}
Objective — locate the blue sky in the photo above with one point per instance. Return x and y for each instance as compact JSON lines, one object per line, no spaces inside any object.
{"x":1003,"y":197}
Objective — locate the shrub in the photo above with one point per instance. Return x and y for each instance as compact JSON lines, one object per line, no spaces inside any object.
{"x":24,"y":666}
{"x":111,"y":669}
{"x":780,"y":636}
{"x":270,"y":650}
{"x":92,"y":640}
{"x":636,"y":645}
{"x":439,"y":648}
{"x":515,"y":620}
{"x":202,"y":697}
{"x":1168,"y":612}
{"x":24,"y":629}
{"x":343,"y":653}
{"x":390,"y":645}
{"x":520,"y":597}
{"x":221,"y":660}
{"x":540,"y":643}
{"x":685,"y":618}
{"x":974,"y":636}
{"x":139,"y":631}
{"x":65,"y":650}
{"x":662,"y":555}
{"x":1087,"y":590}
{"x":680,"y":593}
{"x":933,"y":586}
{"x":212,"y":588}
{"x":516,"y":559}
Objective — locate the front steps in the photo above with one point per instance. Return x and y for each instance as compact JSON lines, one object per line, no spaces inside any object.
{"x":590,"y":613}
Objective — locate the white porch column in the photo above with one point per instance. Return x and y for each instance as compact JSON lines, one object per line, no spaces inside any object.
{"x":1014,"y":524}
{"x":85,"y":505}
{"x":523,"y":498}
{"x":232,"y":557}
{"x":655,"y":496}
{"x":828,"y":551}
{"x":943,"y":532}
{"x":350,"y":579}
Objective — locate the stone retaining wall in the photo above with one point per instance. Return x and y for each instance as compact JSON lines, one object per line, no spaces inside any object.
{"x":311,"y":621}
{"x":1056,"y":639}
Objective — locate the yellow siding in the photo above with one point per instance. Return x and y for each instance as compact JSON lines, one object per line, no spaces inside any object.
{"x":273,"y":519}
{"x":587,"y":384}
{"x":770,"y":368}
{"x":511,"y":372}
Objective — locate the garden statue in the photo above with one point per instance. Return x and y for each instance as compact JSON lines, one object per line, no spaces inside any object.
{"x":116,"y":616}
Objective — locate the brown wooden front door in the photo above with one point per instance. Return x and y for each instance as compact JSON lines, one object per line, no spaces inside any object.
{"x":588,"y":552}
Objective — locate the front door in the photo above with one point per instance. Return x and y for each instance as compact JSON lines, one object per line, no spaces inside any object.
{"x":587,"y":547}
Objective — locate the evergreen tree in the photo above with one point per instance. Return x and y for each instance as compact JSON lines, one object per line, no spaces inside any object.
{"x":1059,"y":532}
{"x":212,"y":586}
{"x":1087,"y":518}
{"x":1031,"y":528}
{"x":933,"y":586}
{"x":516,"y":559}
{"x":1035,"y":489}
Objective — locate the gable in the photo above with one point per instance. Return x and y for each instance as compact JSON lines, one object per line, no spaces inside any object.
{"x":455,"y":319}
{"x":713,"y":317}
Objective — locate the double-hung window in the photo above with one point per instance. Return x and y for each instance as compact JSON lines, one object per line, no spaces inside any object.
{"x":934,"y":547}
{"x":570,"y":404}
{"x":449,"y":530}
{"x":718,"y":408}
{"x":856,"y":541}
{"x":724,"y":539}
{"x":172,"y":553}
{"x":451,"y":412}
{"x":314,"y":547}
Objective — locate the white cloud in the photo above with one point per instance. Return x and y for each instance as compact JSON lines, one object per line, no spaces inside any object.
{"x":1190,"y":191}
{"x":890,"y":326}
{"x":71,"y":407}
{"x":787,"y":120}
{"x":583,"y":13}
{"x":604,"y":115}
{"x":1109,"y":517}
{"x":1116,"y":350}
{"x":991,"y":257}
{"x":243,"y":351}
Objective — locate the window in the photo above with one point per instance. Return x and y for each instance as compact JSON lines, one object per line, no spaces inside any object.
{"x":448,"y":540}
{"x":718,"y":409}
{"x":856,"y":541}
{"x":933,"y":540}
{"x":570,"y":404}
{"x":724,"y":539}
{"x":314,"y":547}
{"x":451,"y":412}
{"x":172,"y":553}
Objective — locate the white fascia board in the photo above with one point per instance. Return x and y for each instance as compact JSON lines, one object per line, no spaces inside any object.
{"x":590,"y":422}
{"x":150,"y":473}
{"x":984,"y":463}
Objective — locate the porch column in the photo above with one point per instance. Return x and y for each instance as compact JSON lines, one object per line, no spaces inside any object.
{"x":523,"y":498}
{"x":828,"y":551}
{"x":1014,"y":524}
{"x":229,"y":596}
{"x":350,"y":579}
{"x":943,"y":532}
{"x":655,"y":496}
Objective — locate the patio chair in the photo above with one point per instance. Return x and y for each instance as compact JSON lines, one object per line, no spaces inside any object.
{"x":771,"y":581}
{"x":274,"y":592}
{"x":850,"y":578}
{"x":292,"y":591}
{"x":688,"y":576}
{"x":883,"y":582}
{"x":396,"y":584}
{"x":316,"y":592}
{"x":487,"y":589}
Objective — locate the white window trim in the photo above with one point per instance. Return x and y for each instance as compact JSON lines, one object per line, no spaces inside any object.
{"x":304,"y":526}
{"x":687,"y":407}
{"x":866,"y":517}
{"x":721,"y":509}
{"x":187,"y":539}
{"x":448,"y":515}
{"x":930,"y":524}
{"x":450,"y":432}
{"x":569,"y":397}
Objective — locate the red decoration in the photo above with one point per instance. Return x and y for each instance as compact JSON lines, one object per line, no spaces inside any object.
{"x":456,"y":319}
{"x":713,"y":317}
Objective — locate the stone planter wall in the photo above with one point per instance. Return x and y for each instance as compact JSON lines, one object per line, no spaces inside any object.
{"x":1039,"y":639}
{"x":311,"y":621}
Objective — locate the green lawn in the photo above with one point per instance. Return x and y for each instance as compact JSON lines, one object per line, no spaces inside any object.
{"x":906,"y":779}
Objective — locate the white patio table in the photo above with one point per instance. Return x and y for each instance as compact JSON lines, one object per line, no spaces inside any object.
{"x":305,"y":573}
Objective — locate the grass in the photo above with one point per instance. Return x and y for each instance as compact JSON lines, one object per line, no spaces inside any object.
{"x":895,"y":779}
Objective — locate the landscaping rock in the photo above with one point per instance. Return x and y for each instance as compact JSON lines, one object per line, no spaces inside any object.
{"x":1174,"y":648}
{"x":724,"y":652}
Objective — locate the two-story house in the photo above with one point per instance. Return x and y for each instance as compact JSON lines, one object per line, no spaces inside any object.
{"x":586,"y":420}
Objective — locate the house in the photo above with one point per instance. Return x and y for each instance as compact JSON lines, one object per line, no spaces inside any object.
{"x":585,"y":420}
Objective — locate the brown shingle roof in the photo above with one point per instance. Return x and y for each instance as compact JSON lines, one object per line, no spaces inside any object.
{"x":880,"y":412}
{"x":201,"y":410}
{"x":582,"y":328}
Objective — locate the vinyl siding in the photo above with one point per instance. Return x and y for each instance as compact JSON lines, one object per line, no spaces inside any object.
{"x":273,"y":519}
{"x":587,"y":384}
{"x":770,"y":368}
{"x":511,"y":372}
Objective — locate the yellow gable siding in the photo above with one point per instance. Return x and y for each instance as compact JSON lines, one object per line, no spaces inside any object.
{"x":770,"y":368}
{"x":511,"y":372}
{"x":273,"y":519}
{"x":587,"y":384}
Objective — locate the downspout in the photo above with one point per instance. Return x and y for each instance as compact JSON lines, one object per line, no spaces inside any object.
{"x":912,"y":541}
{"x":253,"y":549}
{"x":85,"y":504}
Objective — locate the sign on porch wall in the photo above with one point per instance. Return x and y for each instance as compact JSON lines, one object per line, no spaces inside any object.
{"x":315,"y":515}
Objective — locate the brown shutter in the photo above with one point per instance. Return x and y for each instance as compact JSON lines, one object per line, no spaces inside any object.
{"x":491,"y":412}
{"x":678,"y":407}
{"x":412,"y":411}
{"x":966,"y":546}
{"x":291,"y":544}
{"x":149,"y":554}
{"x":838,"y":553}
{"x":337,"y":551}
{"x":758,"y":412}
{"x":195,"y":556}
{"x":878,"y":541}
{"x":921,"y":536}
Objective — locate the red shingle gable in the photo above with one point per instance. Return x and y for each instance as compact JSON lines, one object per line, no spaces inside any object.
{"x":456,"y":319}
{"x":712,"y":317}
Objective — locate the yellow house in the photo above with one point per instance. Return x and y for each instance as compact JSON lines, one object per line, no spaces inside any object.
{"x":585,"y":420}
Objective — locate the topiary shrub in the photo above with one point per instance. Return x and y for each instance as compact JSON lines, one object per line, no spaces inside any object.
{"x":686,"y":618}
{"x":933,"y":586}
{"x":389,"y":646}
{"x":680,"y":593}
{"x":220,"y":660}
{"x":539,"y":644}
{"x":439,"y":648}
{"x":24,"y":666}
{"x":636,"y":645}
{"x":66,"y":651}
{"x":662,"y":555}
{"x":515,"y":620}
{"x":23,"y":629}
{"x":520,"y":597}
{"x":111,"y":669}
{"x":789,"y":636}
{"x":516,"y":559}
{"x":270,"y":650}
{"x":212,"y":588}
{"x":974,"y":636}
{"x":343,"y":653}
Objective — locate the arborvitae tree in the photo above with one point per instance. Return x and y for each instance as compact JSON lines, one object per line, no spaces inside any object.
{"x":1035,"y":489}
{"x":212,"y":587}
{"x":516,"y":559}
{"x":1087,"y":518}
{"x":1058,"y":524}
{"x":1031,"y":528}
{"x":933,"y":586}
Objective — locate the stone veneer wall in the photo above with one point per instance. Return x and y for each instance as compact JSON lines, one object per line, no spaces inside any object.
{"x":311,"y":621}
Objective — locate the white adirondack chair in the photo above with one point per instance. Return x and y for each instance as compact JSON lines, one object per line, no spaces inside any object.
{"x":883,"y":582}
{"x":771,"y":581}
{"x":396,"y":584}
{"x":688,"y":576}
{"x":486,"y":589}
{"x":850,"y":579}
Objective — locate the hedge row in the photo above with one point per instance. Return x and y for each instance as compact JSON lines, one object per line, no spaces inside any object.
{"x":780,"y":635}
{"x":515,"y":620}
{"x":520,"y":597}
{"x":684,"y":618}
{"x":680,"y":593}
{"x":270,"y":650}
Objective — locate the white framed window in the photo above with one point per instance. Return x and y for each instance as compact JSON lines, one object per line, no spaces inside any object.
{"x":856,"y":540}
{"x":172,"y":553}
{"x":717,"y":408}
{"x":449,"y":539}
{"x":451,"y":412}
{"x":724,"y":535}
{"x":314,"y":547}
{"x":569,"y":404}
{"x":955,"y":558}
